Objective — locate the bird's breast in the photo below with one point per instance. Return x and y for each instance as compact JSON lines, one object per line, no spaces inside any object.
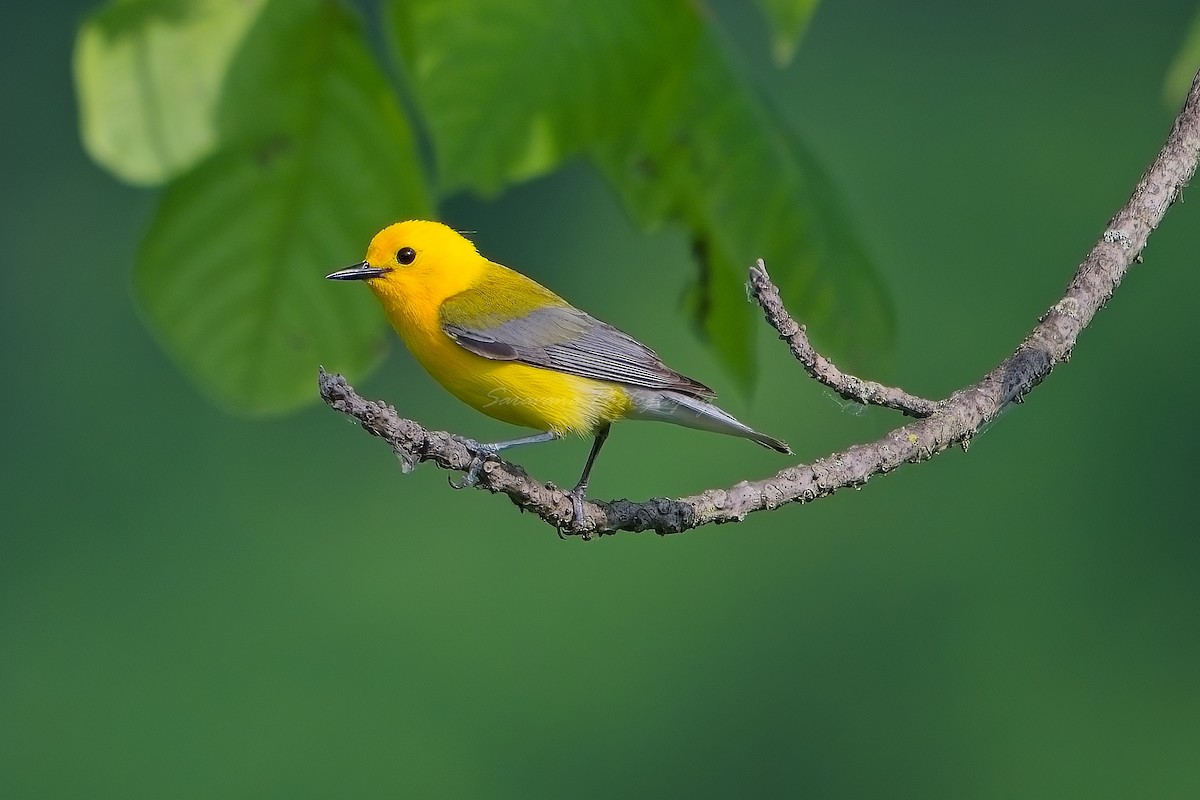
{"x":511,"y":391}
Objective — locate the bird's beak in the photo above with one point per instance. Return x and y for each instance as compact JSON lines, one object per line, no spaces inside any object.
{"x":357,"y":272}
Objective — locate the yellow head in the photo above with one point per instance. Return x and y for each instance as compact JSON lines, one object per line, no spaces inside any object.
{"x":417,"y":264}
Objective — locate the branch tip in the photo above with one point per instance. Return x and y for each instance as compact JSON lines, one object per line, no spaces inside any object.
{"x":821,"y":368}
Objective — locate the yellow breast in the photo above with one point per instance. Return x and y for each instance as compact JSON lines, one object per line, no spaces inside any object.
{"x":509,"y":391}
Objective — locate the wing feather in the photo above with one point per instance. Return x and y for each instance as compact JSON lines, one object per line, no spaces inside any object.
{"x":560,"y":337}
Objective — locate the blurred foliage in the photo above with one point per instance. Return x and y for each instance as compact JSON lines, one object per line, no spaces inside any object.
{"x":149,"y":76}
{"x":314,"y":154}
{"x":789,"y":19}
{"x":272,"y":115}
{"x":308,"y":153}
{"x":650,"y":93}
{"x":1183,"y":68}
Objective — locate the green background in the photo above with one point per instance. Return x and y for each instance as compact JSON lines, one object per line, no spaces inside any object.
{"x":194,"y":604}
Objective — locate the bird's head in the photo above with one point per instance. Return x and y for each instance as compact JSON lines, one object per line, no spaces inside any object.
{"x":416,"y":260}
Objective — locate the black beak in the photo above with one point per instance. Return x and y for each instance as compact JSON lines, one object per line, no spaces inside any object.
{"x":357,"y":272}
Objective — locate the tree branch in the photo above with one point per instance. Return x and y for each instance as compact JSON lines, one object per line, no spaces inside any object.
{"x":952,"y":421}
{"x":821,"y":368}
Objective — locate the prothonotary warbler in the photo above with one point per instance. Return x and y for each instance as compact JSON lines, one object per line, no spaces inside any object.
{"x":509,"y":347}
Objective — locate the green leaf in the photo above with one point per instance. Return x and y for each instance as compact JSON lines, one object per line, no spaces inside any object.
{"x":512,"y":88}
{"x":715,"y":156}
{"x":148,"y":74}
{"x":231,"y":272}
{"x":1183,"y":68}
{"x":788,"y":19}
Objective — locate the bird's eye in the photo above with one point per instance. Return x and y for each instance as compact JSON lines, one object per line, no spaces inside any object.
{"x":406,"y":255}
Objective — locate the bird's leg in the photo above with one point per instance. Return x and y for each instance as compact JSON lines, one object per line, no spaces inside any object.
{"x":481,"y":451}
{"x":577,"y":494}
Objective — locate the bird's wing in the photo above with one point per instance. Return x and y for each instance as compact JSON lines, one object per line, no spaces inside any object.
{"x":554,"y":335}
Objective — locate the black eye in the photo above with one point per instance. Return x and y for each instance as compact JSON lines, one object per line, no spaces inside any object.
{"x":406,"y":255}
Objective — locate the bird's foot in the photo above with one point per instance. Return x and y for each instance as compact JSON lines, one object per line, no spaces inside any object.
{"x":479,"y":453}
{"x":578,"y":520}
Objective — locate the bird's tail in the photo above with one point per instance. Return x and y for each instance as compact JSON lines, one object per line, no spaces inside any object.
{"x":692,"y":412}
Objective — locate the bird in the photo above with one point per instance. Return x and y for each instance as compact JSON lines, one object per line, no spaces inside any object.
{"x":516,"y":351}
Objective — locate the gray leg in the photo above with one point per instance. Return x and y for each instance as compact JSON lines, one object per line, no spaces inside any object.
{"x":577,"y":494}
{"x":481,"y":451}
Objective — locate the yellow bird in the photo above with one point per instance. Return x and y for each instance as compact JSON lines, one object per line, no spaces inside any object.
{"x":509,"y":347}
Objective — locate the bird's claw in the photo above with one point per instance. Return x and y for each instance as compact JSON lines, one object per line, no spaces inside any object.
{"x":578,"y":520}
{"x":479,"y":454}
{"x":472,"y":475}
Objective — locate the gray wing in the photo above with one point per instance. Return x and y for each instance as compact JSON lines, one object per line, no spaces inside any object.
{"x":565,"y":339}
